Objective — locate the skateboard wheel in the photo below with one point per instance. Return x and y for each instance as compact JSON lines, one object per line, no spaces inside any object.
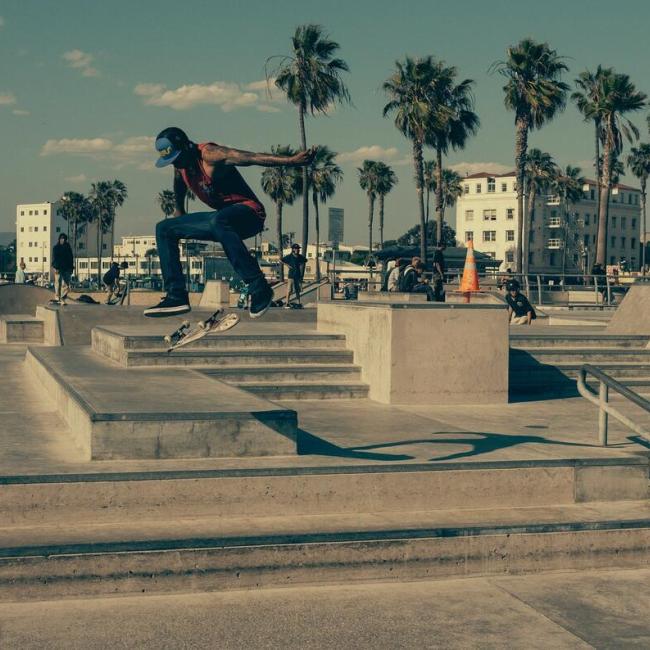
{"x":168,"y":339}
{"x":201,"y":325}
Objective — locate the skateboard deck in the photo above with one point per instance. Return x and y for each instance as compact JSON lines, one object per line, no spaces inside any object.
{"x":218,"y":322}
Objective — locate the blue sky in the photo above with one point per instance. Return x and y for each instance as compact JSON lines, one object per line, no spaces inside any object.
{"x":85,"y":86}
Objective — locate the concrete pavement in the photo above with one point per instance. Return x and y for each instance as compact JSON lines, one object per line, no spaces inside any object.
{"x":597,"y":609}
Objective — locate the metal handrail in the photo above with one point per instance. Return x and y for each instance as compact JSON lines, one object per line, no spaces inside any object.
{"x":601,"y":399}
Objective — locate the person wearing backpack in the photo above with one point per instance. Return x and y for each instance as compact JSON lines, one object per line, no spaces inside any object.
{"x":111,"y":281}
{"x":413,"y":282}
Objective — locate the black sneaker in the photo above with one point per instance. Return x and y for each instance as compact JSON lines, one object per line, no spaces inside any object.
{"x":260,"y":301}
{"x":169,"y":306}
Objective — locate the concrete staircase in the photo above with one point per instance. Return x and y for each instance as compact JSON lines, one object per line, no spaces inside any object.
{"x":21,"y":328}
{"x":548,"y":363}
{"x":90,"y":534}
{"x":276,"y":366}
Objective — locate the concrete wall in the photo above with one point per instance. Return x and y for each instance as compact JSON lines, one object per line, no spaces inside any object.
{"x":633,"y":314}
{"x":425,"y":354}
{"x":216,"y":293}
{"x":22,"y":298}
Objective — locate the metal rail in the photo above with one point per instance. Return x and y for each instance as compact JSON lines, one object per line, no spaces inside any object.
{"x":601,"y":400}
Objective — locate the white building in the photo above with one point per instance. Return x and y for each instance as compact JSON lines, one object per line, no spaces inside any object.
{"x":38,"y":226}
{"x":487,"y":214}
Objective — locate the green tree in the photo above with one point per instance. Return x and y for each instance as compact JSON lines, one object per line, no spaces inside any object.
{"x":311,"y":78}
{"x":452,"y":121}
{"x":75,"y":208}
{"x":283,"y":185}
{"x":409,"y":90}
{"x":540,"y":173}
{"x":567,"y":186}
{"x":150,"y":254}
{"x":639,"y":163}
{"x":536,"y":94}
{"x":369,"y":181}
{"x":324,"y":176}
{"x":451,"y":188}
{"x":412,"y":236}
{"x":386,"y":181}
{"x":167,"y":202}
{"x":619,"y":97}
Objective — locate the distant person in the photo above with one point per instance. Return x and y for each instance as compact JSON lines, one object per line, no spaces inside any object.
{"x":504,"y":278}
{"x":111,"y":281}
{"x":520,"y":311}
{"x":439,"y":273}
{"x":394,"y":276}
{"x":413,"y":280}
{"x":20,"y":272}
{"x":296,"y":264}
{"x":63,"y":265}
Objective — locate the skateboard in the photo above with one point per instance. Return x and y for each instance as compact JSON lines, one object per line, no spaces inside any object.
{"x":218,"y":322}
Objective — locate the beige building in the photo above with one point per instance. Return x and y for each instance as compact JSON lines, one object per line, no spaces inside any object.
{"x":487,"y":214}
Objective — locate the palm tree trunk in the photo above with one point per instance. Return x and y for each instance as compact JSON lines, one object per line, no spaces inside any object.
{"x":99,"y":250}
{"x":439,"y":194}
{"x":565,"y":233}
{"x":527,"y":225}
{"x":381,"y":221}
{"x":597,"y":165}
{"x":521,"y":149}
{"x":645,"y":229}
{"x":278,"y":234}
{"x":317,"y":226}
{"x":426,"y":219}
{"x":601,"y":244}
{"x":305,"y":182}
{"x":371,"y":218}
{"x":418,"y":165}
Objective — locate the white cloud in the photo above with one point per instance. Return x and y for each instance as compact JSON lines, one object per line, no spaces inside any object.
{"x":135,"y":145}
{"x":371,"y":152}
{"x":76,"y":146}
{"x":7,"y":98}
{"x":225,"y":94}
{"x":20,"y":112}
{"x":80,"y":60}
{"x":79,"y":178}
{"x":468,"y":168}
{"x":264,"y":85}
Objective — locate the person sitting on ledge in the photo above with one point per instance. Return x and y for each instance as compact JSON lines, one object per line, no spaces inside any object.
{"x":413,"y":282}
{"x":520,"y":311}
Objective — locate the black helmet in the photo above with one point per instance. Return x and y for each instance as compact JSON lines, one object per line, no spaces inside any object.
{"x":170,"y":144}
{"x":512,"y":285}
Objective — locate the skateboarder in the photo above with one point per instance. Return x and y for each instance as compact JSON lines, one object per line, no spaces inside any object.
{"x":210,"y":171}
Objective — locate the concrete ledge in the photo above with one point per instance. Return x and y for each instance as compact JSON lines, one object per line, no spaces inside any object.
{"x":118,"y":413}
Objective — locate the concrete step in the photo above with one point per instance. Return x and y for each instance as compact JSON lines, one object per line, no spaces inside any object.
{"x":237,"y":357}
{"x":115,"y":413}
{"x":279,"y":373}
{"x":554,"y":356}
{"x":304,"y":390}
{"x":571,"y":341}
{"x":235,"y":553}
{"x":21,"y":328}
{"x":307,"y":489}
{"x":616,"y":370}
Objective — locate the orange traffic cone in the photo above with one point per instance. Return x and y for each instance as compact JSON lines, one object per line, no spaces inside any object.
{"x":469,"y":282}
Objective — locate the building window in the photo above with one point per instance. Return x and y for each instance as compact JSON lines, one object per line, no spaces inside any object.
{"x":489,"y":215}
{"x":623,"y":223}
{"x":44,"y":228}
{"x":632,"y":243}
{"x":36,"y":212}
{"x":491,"y":185}
{"x":622,"y":242}
{"x":613,"y":242}
{"x":531,"y":257}
{"x":504,"y":187}
{"x":510,"y":235}
{"x":478,"y":188}
{"x":593,"y":239}
{"x":93,"y":265}
{"x":592,"y":195}
{"x":58,"y":229}
{"x":613,"y":222}
{"x":80,"y":245}
{"x":465,"y":189}
{"x":31,"y":213}
{"x":30,"y":244}
{"x":633,"y":224}
{"x":45,"y":212}
{"x":469,"y":215}
{"x":469,"y":235}
{"x":586,"y":240}
{"x":22,"y":213}
{"x":510,"y":256}
{"x":22,"y":229}
{"x":489,"y":235}
{"x":36,"y":259}
{"x":531,"y":236}
{"x":35,"y":228}
{"x":30,"y":259}
{"x":83,"y":265}
{"x":551,"y":259}
{"x":510,"y":213}
{"x":586,"y":220}
{"x":45,"y":259}
{"x":103,"y":246}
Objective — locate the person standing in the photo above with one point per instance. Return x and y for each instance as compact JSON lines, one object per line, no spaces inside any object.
{"x":20,"y":272}
{"x":296,"y":263}
{"x":439,"y":273}
{"x":235,"y":214}
{"x":63,"y":264}
{"x":111,"y":281}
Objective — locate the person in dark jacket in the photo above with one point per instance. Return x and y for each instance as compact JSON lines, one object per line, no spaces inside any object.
{"x":63,"y":265}
{"x":111,"y":281}
{"x":296,"y":263}
{"x":413,"y":282}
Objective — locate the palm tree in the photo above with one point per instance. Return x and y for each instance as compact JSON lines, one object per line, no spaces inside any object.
{"x":166,"y":199}
{"x":567,"y":186}
{"x":311,"y":79}
{"x":639,"y":163}
{"x":451,"y":123}
{"x":386,"y":181}
{"x":119,"y":195}
{"x":369,"y":181}
{"x":540,"y":174}
{"x":151,"y":253}
{"x":587,"y":99}
{"x":409,"y":89}
{"x":619,"y":96}
{"x":324,"y":175}
{"x":189,"y":196}
{"x":100,"y":199}
{"x":452,"y":190}
{"x":429,"y":184}
{"x":535,"y":93}
{"x":76,"y":210}
{"x":283,"y":185}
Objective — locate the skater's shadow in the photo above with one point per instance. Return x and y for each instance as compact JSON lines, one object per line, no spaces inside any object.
{"x":479,"y":443}
{"x":311,"y":444}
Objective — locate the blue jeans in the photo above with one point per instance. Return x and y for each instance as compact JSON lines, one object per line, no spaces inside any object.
{"x":229,"y":227}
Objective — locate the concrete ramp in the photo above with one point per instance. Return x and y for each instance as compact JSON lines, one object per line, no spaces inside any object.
{"x":22,"y":298}
{"x":633,"y":314}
